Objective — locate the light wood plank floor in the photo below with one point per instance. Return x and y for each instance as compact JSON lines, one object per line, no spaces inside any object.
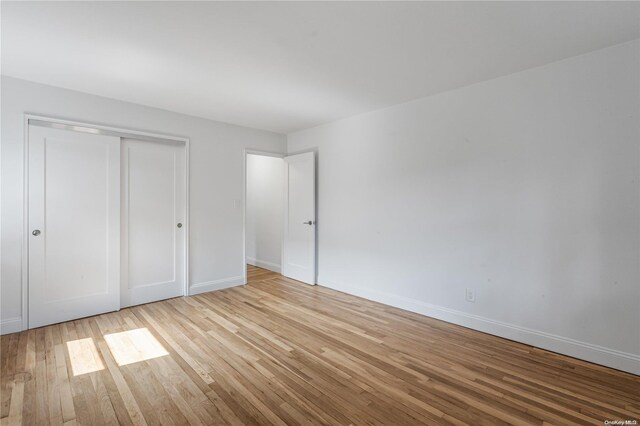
{"x":281,"y":352}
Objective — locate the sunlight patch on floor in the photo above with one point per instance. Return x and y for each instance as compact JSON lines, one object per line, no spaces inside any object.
{"x":84,"y":356}
{"x":135,"y":345}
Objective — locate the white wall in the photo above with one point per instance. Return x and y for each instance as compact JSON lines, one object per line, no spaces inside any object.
{"x":265,"y":199}
{"x":525,"y":188}
{"x":216,"y":179}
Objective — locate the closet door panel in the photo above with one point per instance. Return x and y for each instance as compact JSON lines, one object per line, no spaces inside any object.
{"x":74,"y":225}
{"x":153,"y":221}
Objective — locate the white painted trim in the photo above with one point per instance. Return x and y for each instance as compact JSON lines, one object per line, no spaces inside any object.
{"x":245,"y":152}
{"x":582,"y":350}
{"x":216,"y":285}
{"x":187,"y":218}
{"x":264,"y":153}
{"x":264,"y":264}
{"x":126,"y":133}
{"x":11,"y":325}
{"x":25,"y":193}
{"x":24,"y":284}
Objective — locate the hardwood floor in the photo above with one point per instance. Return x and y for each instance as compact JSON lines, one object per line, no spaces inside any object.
{"x":255,"y":274}
{"x":281,"y":352}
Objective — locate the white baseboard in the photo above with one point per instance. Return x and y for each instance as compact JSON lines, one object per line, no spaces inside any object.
{"x":14,"y":325}
{"x":11,"y":325}
{"x":215,"y":285}
{"x":262,"y":264}
{"x":582,"y":350}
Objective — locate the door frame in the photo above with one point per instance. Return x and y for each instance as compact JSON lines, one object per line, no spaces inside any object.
{"x":245,"y":153}
{"x":83,"y":127}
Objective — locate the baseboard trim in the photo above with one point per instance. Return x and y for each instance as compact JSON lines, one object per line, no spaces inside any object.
{"x":582,"y":350}
{"x":215,"y":285}
{"x":10,"y":325}
{"x":263,"y":264}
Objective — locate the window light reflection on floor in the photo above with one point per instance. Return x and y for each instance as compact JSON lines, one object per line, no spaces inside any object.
{"x":84,"y":356}
{"x":135,"y":345}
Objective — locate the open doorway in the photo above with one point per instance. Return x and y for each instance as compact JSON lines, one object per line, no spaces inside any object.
{"x":280,"y":216}
{"x":264,"y":214}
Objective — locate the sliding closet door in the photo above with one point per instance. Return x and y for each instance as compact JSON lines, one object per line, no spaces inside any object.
{"x":74,"y":225}
{"x":153,"y":221}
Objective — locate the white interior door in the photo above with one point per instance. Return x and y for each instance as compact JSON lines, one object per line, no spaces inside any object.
{"x":299,"y":253}
{"x":74,"y":225}
{"x":153,"y":221}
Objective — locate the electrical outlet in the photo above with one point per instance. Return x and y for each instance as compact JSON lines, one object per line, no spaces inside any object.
{"x":470,"y":295}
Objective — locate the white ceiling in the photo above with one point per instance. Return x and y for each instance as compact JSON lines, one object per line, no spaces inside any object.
{"x":284,"y":66}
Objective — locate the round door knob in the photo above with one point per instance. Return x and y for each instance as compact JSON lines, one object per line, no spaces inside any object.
{"x":308,"y":223}
{"x":36,"y":232}
{"x":179,"y":225}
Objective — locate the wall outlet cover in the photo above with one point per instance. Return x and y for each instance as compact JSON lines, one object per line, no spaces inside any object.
{"x":470,"y":295}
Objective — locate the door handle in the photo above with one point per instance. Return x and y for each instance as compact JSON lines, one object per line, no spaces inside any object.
{"x":308,"y":223}
{"x":35,"y":232}
{"x":179,"y":225}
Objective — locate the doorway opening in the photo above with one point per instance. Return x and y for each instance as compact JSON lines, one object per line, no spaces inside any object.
{"x":280,"y":215}
{"x":264,"y":215}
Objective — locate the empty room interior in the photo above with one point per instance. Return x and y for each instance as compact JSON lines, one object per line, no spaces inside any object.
{"x":325,"y":213}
